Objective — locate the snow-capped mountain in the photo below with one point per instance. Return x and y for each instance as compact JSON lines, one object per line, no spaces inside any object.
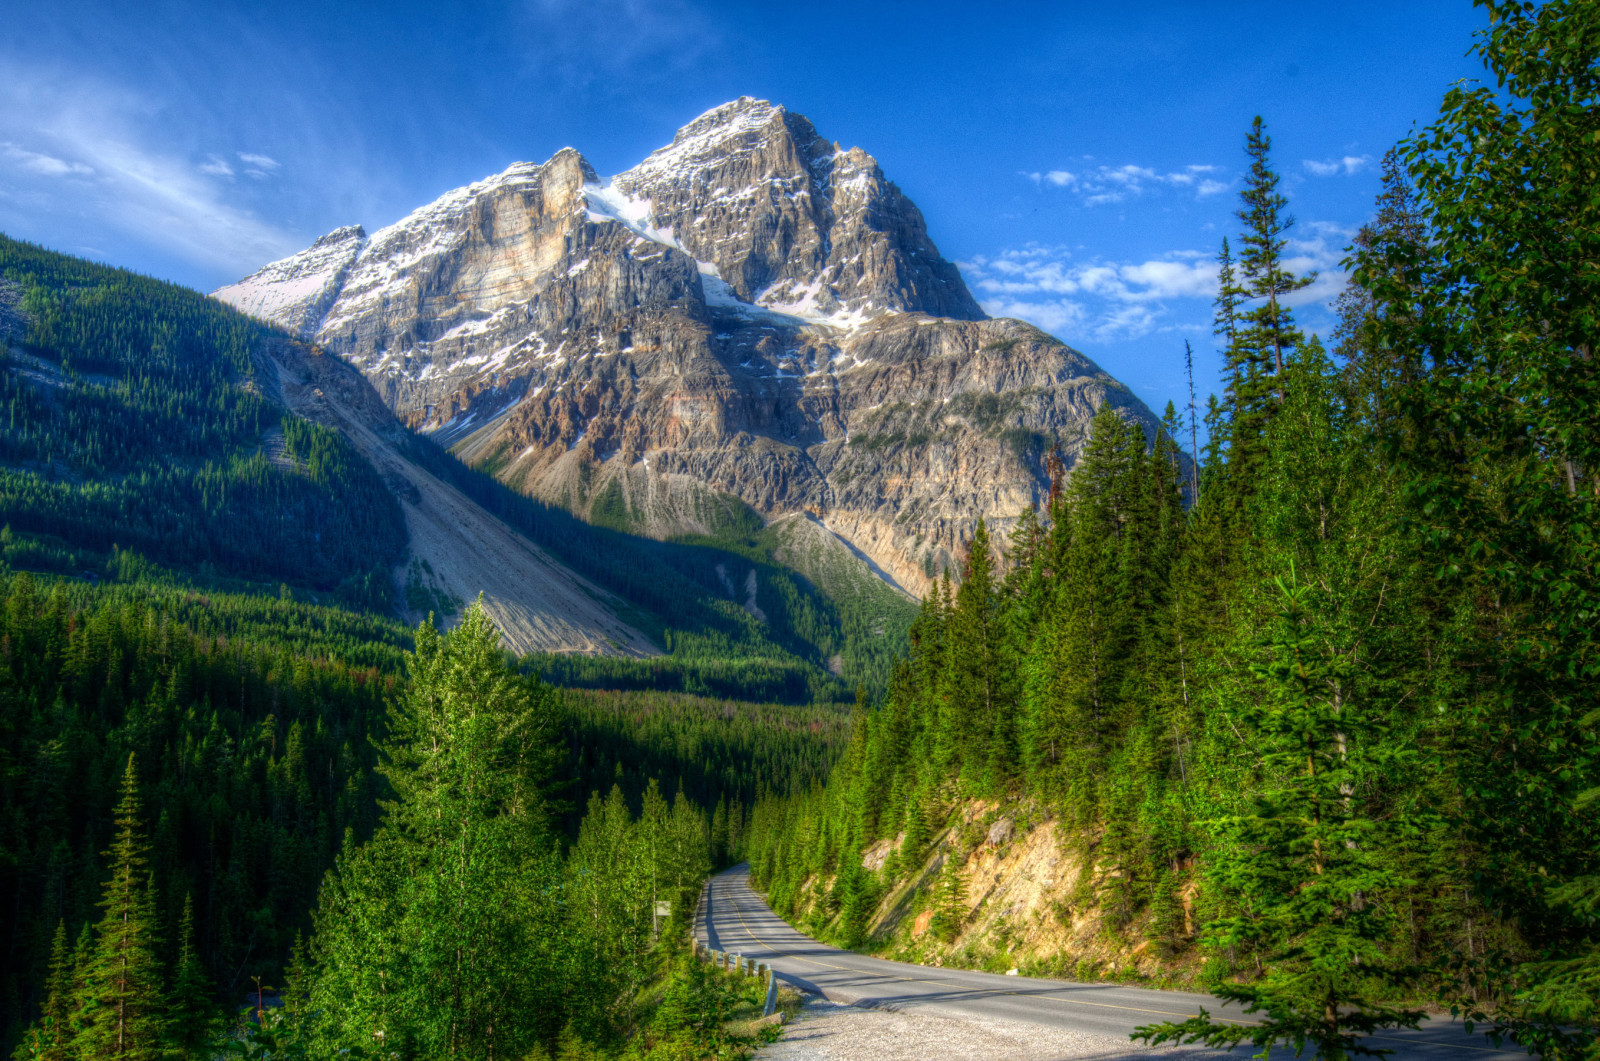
{"x":751,"y":310}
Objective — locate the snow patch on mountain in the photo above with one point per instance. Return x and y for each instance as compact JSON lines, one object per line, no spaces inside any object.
{"x":295,"y":292}
{"x":707,"y":137}
{"x":608,"y":202}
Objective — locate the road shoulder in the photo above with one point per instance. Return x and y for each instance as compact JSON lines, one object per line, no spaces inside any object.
{"x":831,"y":1031}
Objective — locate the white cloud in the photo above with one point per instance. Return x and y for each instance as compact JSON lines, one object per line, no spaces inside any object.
{"x":1113,"y":301}
{"x":1093,"y":299}
{"x":258,"y":166}
{"x":1057,"y":316}
{"x":42,"y":164}
{"x":1333,"y":167}
{"x":1047,"y":270}
{"x":1102,"y":184}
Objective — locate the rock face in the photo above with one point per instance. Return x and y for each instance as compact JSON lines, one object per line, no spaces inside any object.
{"x":750,"y":311}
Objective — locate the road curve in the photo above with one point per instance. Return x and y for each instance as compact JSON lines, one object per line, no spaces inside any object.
{"x":734,"y":918}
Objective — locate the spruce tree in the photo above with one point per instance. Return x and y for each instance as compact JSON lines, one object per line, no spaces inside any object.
{"x":1266,"y":333}
{"x":119,"y":1009}
{"x":50,"y":1038}
{"x":443,"y":934}
{"x":191,"y":1005}
{"x":978,"y":705}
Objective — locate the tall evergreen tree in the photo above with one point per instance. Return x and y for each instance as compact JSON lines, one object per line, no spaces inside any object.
{"x":434,"y":934}
{"x":1305,"y":861}
{"x":1265,"y":334}
{"x":979,"y":707}
{"x":119,"y":1009}
{"x":191,"y":1004}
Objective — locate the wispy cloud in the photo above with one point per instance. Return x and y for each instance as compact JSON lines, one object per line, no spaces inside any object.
{"x":42,"y":164}
{"x":1098,"y":185}
{"x":259,"y":166}
{"x":1347,"y":166}
{"x":582,"y":42}
{"x":131,"y":180}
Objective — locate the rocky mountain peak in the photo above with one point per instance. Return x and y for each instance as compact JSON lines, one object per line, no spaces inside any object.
{"x":792,"y":222}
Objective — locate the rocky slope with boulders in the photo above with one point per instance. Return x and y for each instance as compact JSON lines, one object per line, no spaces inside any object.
{"x":751,"y":312}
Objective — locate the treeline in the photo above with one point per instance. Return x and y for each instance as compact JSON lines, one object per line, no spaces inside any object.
{"x":718,"y":753}
{"x":694,"y":668}
{"x":1340,"y":689}
{"x":130,"y":415}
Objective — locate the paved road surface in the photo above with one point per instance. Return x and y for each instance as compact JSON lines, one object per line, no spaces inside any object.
{"x":735,"y":919}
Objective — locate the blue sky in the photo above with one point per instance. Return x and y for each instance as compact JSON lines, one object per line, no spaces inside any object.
{"x":1080,"y":160}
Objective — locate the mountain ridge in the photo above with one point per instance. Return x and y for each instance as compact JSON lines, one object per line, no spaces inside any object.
{"x":750,"y":311}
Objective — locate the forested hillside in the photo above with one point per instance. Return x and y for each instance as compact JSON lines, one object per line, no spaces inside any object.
{"x":721,"y":754}
{"x":1318,"y":729}
{"x":249,"y":723}
{"x":132,"y":418}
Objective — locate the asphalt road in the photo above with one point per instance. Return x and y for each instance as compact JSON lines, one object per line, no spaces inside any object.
{"x":734,"y":918}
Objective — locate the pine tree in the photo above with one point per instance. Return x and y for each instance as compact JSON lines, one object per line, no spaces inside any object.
{"x":719,"y":833}
{"x":119,"y":1008}
{"x":980,"y":711}
{"x":1365,"y":336}
{"x":1225,"y":318}
{"x":950,"y":901}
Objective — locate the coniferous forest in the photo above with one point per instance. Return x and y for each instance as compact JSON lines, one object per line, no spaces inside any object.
{"x":1335,"y":686}
{"x":1307,"y":678}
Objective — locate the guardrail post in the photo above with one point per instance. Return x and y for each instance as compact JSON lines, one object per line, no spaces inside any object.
{"x":772,"y":993}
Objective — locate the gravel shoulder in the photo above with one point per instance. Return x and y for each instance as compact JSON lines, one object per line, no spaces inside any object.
{"x":829,"y":1031}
